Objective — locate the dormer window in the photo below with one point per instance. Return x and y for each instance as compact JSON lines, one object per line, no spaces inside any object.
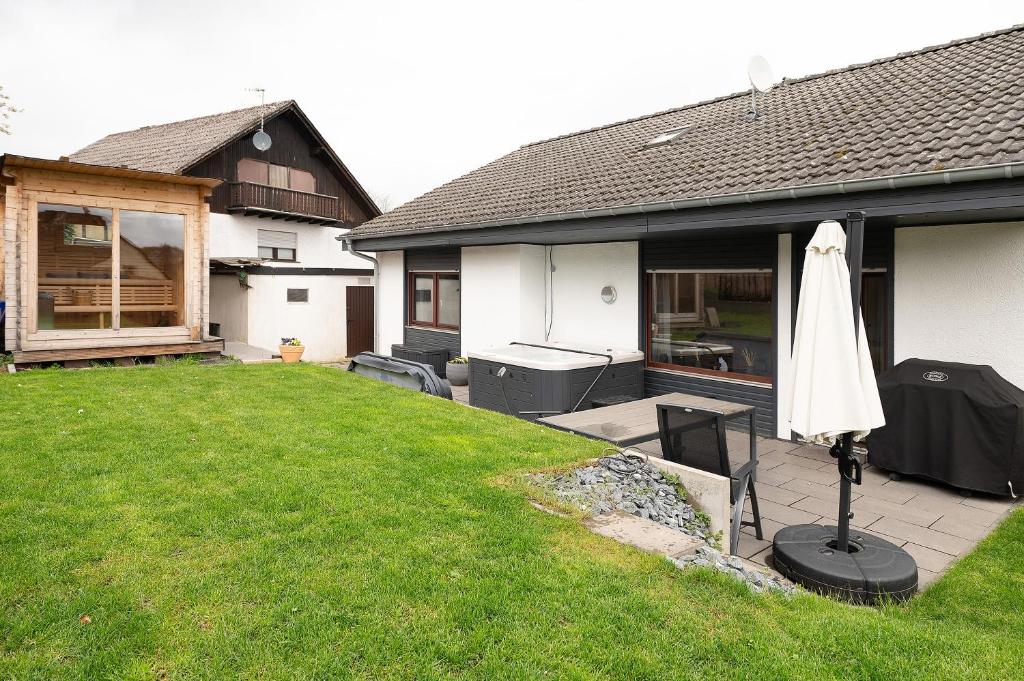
{"x":667,"y":136}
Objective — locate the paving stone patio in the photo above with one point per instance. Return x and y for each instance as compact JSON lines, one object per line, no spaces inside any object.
{"x":798,"y":483}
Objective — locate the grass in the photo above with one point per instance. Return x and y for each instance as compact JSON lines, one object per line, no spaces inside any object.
{"x":300,"y":522}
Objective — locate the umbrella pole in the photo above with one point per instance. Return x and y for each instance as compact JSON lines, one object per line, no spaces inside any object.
{"x":854,"y":259}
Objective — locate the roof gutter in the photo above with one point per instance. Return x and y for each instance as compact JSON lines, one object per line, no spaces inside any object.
{"x":908,"y":180}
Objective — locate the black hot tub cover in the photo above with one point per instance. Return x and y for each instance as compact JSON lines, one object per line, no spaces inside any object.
{"x":961,"y":424}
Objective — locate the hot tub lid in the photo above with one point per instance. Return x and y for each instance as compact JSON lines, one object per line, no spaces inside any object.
{"x":556,"y":356}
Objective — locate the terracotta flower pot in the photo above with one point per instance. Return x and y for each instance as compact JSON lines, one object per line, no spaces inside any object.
{"x":290,"y":354}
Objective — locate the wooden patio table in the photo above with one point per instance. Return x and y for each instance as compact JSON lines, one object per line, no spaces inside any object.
{"x":631,"y":423}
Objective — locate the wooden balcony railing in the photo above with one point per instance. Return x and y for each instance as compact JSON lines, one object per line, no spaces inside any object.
{"x":285,"y":202}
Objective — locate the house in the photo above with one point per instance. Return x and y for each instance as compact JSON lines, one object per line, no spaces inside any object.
{"x":276,"y":268}
{"x":103,"y":263}
{"x":681,"y":233}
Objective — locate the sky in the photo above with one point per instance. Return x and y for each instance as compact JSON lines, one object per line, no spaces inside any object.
{"x":414,"y":94}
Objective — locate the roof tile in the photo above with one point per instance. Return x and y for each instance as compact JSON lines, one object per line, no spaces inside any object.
{"x":955,"y":105}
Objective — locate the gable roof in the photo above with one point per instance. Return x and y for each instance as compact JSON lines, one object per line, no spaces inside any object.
{"x":175,"y":147}
{"x":943,"y":108}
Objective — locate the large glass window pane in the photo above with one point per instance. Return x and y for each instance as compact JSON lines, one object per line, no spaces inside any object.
{"x":449,"y":299}
{"x":423,"y":298}
{"x":152,"y":269}
{"x":715,"y":321}
{"x":75,"y":267}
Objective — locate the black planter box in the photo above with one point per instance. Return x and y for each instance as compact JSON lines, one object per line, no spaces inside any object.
{"x":436,"y":358}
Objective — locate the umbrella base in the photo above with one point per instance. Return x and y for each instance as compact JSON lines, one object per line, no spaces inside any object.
{"x":873,"y":570}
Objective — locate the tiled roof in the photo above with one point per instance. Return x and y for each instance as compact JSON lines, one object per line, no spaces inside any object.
{"x":173,"y":147}
{"x":951,"y":106}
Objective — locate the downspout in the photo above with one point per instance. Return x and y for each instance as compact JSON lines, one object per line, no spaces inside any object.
{"x":346,"y":244}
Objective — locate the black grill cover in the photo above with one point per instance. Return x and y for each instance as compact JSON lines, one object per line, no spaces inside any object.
{"x":961,"y":424}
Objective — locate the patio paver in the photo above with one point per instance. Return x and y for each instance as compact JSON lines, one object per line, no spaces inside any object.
{"x":798,"y":483}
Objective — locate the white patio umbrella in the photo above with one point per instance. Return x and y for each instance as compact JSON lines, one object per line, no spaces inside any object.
{"x":833,"y":386}
{"x":835,"y":400}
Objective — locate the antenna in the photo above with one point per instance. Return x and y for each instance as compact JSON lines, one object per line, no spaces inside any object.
{"x":762,"y":79}
{"x":261,"y":140}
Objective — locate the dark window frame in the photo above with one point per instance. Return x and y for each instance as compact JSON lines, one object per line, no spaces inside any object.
{"x":275,"y":258}
{"x":436,"y":300}
{"x":648,"y":280}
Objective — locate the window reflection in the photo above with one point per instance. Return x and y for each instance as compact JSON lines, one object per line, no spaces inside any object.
{"x":712,"y":322}
{"x":74,"y":267}
{"x":152,"y":269}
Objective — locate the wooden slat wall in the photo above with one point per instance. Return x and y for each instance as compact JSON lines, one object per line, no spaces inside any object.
{"x":19,"y":259}
{"x":291,"y":147}
{"x":748,"y":251}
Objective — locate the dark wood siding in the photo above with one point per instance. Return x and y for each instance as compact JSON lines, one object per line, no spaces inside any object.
{"x":746,"y":251}
{"x":751,"y":251}
{"x":431,"y":260}
{"x":292,"y":147}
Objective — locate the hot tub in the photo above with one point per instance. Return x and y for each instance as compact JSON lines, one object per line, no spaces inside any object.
{"x":553,"y":379}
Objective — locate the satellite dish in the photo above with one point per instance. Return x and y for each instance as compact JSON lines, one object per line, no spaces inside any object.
{"x":762,"y":78}
{"x":261,"y":140}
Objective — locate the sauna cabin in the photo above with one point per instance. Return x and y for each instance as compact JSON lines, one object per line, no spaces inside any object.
{"x":102,"y":263}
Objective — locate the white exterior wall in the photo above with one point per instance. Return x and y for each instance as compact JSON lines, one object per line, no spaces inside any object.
{"x":229,"y":307}
{"x":320,"y":323}
{"x":580,"y":316}
{"x":390,"y":312}
{"x":502,"y":295}
{"x":234,"y":236}
{"x":505,"y":295}
{"x":958,"y":293}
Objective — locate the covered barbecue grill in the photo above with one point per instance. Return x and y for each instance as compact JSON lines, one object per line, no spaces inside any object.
{"x":961,"y":424}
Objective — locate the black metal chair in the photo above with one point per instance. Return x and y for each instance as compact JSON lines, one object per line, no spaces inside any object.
{"x":696,"y":438}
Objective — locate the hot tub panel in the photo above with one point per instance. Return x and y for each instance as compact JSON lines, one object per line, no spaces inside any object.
{"x":553,"y":391}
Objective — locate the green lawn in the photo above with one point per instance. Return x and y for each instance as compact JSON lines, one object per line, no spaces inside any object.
{"x":300,"y":522}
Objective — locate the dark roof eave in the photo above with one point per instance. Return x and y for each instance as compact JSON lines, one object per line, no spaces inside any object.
{"x":908,"y":180}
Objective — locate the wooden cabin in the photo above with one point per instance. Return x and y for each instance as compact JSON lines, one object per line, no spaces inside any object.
{"x":103,"y":263}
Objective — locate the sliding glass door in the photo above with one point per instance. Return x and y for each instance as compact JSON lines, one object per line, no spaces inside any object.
{"x":106,"y":268}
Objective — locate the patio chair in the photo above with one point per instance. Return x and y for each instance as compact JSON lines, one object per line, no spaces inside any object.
{"x":696,"y":438}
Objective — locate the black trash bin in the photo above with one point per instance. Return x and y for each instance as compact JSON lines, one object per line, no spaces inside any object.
{"x":959,"y":424}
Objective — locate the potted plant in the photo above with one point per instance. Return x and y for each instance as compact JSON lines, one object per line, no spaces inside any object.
{"x":291,"y":350}
{"x":457,"y":371}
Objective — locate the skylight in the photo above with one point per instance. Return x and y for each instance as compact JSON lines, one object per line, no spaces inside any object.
{"x":667,"y":136}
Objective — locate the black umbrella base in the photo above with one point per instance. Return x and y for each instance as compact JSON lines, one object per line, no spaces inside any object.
{"x":874,"y":570}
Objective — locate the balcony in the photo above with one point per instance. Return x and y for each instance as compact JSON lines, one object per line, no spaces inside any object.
{"x":263,"y":200}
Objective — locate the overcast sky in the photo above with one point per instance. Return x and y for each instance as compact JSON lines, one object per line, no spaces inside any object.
{"x":413,"y":94}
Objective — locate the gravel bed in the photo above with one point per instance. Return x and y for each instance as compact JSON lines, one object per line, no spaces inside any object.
{"x":756,"y":579}
{"x":628,"y":482}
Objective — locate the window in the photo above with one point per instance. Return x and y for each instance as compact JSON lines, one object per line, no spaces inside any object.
{"x":77,"y":259}
{"x":667,"y":136}
{"x":298,"y":295}
{"x":718,"y":323}
{"x":434,"y":299}
{"x":274,"y":245}
{"x":270,"y":174}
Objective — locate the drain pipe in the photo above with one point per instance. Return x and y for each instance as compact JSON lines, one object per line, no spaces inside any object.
{"x":346,"y":245}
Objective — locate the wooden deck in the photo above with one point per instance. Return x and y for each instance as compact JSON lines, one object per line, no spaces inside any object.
{"x":212,"y":346}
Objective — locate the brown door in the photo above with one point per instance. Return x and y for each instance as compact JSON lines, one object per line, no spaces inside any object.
{"x":359,"y":318}
{"x":874,"y":305}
